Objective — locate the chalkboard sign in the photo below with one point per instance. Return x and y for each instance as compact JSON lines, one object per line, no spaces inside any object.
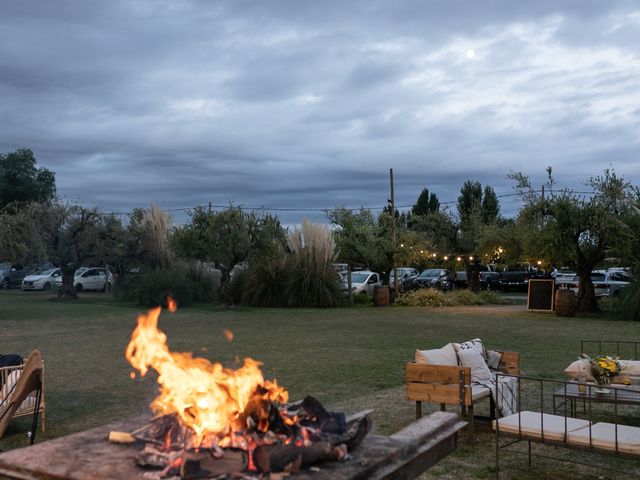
{"x":541,"y":295}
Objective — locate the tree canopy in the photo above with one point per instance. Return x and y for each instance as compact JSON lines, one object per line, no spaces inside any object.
{"x":22,"y":182}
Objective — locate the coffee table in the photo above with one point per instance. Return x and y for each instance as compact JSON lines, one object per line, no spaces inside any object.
{"x":618,"y":394}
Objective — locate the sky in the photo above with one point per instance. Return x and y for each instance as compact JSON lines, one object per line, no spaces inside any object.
{"x":299,"y":106}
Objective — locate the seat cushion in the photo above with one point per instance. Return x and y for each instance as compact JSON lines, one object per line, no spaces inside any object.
{"x":529,"y":424}
{"x":438,"y":356}
{"x":479,"y":392}
{"x":603,"y":435}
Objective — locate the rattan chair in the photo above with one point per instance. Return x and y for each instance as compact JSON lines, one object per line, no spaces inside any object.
{"x":22,"y":392}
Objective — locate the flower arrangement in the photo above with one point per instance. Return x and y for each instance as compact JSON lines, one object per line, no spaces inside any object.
{"x":604,"y":368}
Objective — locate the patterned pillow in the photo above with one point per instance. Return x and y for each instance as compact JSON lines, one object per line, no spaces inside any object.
{"x":475,"y":344}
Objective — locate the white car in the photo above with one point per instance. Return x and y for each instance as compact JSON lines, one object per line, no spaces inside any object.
{"x":42,"y":279}
{"x":362,"y":283}
{"x":606,"y":283}
{"x":90,"y":279}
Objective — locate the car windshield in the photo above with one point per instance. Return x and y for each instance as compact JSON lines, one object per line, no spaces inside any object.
{"x":45,"y":271}
{"x":359,"y":277}
{"x":432,"y":272}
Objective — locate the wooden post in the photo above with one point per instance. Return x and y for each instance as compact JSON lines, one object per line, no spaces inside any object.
{"x":393,"y":232}
{"x":349,"y":283}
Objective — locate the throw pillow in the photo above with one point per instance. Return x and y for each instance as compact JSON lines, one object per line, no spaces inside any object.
{"x":493,"y":359}
{"x":576,"y":367}
{"x":471,"y":358}
{"x":475,"y":344}
{"x":438,"y":356}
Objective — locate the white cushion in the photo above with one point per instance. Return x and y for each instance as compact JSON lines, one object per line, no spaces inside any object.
{"x":12,"y":378}
{"x":529,"y":424}
{"x":438,"y":356}
{"x":603,"y":435}
{"x":630,"y":368}
{"x":580,"y":365}
{"x":475,"y":344}
{"x":480,"y":372}
{"x":479,"y":392}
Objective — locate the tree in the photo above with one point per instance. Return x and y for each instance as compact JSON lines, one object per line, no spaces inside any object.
{"x":577,"y":231}
{"x":490,"y":206}
{"x":476,"y":213}
{"x":426,"y":203}
{"x":22,"y":182}
{"x":227,"y":238}
{"x":364,"y":240}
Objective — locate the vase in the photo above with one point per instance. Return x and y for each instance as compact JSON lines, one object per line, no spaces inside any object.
{"x":601,"y":382}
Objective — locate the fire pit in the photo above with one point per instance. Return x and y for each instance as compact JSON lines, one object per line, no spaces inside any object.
{"x":217,"y":422}
{"x":89,"y":456}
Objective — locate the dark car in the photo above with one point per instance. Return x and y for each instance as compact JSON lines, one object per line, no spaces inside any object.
{"x":12,"y":274}
{"x":406,"y":277}
{"x":439,"y":278}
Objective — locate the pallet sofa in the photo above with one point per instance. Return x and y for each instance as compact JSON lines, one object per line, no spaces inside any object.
{"x":435,"y":376}
{"x":601,"y":431}
{"x":9,"y":378}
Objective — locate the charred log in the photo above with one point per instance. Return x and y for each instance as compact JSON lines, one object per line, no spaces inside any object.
{"x":277,"y":458}
{"x":205,"y":463}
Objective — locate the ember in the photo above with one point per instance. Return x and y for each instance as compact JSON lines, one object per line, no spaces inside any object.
{"x":214,"y":421}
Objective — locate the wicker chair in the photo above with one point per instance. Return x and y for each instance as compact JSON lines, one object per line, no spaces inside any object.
{"x":22,"y":392}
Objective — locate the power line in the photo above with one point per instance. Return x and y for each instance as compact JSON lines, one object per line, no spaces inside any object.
{"x":324,"y":210}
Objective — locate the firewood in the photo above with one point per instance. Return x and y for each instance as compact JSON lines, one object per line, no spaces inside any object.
{"x":203,"y":464}
{"x":121,"y":437}
{"x":275,"y":458}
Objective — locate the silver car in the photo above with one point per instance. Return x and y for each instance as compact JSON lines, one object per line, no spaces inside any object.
{"x":362,"y":283}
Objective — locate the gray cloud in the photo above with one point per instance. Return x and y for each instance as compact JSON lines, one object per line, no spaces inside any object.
{"x":308,"y":104}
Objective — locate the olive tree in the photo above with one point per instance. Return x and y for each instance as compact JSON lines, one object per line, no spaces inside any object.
{"x":576,"y":230}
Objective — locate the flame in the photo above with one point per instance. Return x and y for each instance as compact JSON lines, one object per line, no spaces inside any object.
{"x":207,"y":397}
{"x":228,"y":335}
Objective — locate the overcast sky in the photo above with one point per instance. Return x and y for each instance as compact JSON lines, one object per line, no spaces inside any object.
{"x":307,"y":104}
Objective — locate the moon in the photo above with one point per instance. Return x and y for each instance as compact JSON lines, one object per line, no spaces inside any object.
{"x":471,"y":53}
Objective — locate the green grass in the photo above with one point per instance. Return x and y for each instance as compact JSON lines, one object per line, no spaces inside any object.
{"x":349,"y":358}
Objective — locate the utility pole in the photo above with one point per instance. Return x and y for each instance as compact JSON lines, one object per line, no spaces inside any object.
{"x":393,"y":232}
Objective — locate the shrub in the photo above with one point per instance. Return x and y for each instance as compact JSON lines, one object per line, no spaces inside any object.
{"x":626,"y":305}
{"x":430,"y":297}
{"x":263,"y":284}
{"x":312,"y":281}
{"x":186,"y":284}
{"x":426,"y":297}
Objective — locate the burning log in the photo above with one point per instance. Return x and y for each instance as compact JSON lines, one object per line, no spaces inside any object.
{"x":206,"y":464}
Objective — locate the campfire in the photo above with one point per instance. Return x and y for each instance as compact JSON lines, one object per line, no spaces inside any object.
{"x":217,"y":422}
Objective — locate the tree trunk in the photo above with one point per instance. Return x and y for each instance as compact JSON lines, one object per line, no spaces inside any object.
{"x":587,"y":301}
{"x":225,"y":287}
{"x":67,"y":290}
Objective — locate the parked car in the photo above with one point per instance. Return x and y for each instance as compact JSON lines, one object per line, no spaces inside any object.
{"x":439,"y":278}
{"x":86,"y":278}
{"x":362,"y":283}
{"x":517,"y":275}
{"x":11,"y":274}
{"x":565,"y":275}
{"x":489,"y":277}
{"x":607,"y":283}
{"x":406,"y":278}
{"x":42,"y":279}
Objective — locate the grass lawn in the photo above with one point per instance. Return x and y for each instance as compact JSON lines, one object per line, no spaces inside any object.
{"x":350,"y":359}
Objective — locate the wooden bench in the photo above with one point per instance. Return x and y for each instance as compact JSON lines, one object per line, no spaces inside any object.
{"x":451,"y":385}
{"x":559,"y":429}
